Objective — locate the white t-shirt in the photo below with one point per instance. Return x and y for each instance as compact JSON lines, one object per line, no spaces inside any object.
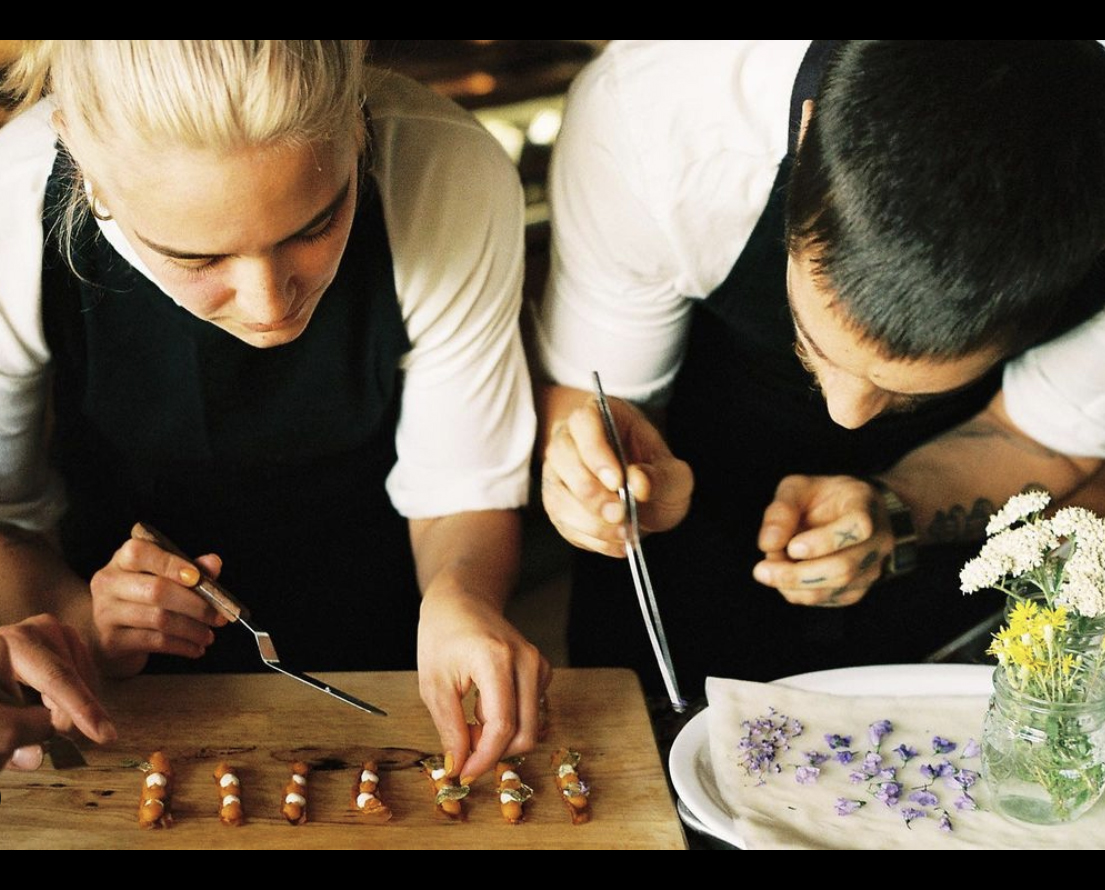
{"x":466,"y":423}
{"x":1056,"y":392}
{"x":662,"y":168}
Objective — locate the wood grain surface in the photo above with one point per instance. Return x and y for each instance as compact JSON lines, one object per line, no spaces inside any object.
{"x":262,"y":723}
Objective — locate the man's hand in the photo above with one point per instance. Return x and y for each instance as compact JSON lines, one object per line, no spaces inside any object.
{"x":581,"y":475}
{"x":48,"y":656}
{"x":825,"y":539}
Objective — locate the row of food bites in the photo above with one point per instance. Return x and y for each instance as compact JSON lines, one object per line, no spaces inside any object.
{"x":155,"y":807}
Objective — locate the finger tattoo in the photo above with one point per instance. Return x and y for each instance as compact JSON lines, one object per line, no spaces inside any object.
{"x":846,"y":536}
{"x":869,"y":560}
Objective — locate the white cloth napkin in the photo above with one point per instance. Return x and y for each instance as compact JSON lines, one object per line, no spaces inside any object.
{"x":781,"y":813}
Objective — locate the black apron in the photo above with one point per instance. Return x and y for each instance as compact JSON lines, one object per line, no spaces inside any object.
{"x":744,"y":413}
{"x":273,"y":458}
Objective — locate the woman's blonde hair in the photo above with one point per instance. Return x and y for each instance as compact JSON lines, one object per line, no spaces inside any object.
{"x":197,"y":94}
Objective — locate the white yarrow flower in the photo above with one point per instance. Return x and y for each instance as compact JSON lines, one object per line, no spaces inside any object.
{"x":1018,"y":507}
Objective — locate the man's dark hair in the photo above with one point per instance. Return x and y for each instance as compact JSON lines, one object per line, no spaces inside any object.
{"x":952,"y":193}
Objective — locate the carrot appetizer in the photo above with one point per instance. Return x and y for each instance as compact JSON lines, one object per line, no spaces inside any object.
{"x":230,"y":795}
{"x":366,"y":795}
{"x":154,"y":807}
{"x":513,"y":792}
{"x":447,"y":793}
{"x":294,"y":804}
{"x":565,"y":763}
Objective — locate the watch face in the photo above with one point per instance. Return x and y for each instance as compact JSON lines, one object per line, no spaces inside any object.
{"x":901,"y":524}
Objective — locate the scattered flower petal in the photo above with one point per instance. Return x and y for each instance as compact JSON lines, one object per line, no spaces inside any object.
{"x":906,"y":752}
{"x":925,"y":798}
{"x":877,"y":730}
{"x":845,"y":806}
{"x":911,"y":813}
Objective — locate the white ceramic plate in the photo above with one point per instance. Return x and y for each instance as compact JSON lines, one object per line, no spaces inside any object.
{"x":692,"y":773}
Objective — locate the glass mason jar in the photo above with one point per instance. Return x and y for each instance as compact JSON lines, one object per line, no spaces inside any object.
{"x":1043,"y":761}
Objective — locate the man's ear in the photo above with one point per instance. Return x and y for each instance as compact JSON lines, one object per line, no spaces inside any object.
{"x":807,"y":113}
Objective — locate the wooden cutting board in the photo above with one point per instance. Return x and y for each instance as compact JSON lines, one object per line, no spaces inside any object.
{"x":261,"y":723}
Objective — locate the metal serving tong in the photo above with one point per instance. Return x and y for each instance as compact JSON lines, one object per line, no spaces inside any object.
{"x":637,"y":567}
{"x":219,"y":597}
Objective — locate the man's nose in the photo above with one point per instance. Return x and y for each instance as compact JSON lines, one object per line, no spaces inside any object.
{"x":853,"y":401}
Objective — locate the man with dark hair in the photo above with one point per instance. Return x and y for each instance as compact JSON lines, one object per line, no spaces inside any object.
{"x":825,"y":295}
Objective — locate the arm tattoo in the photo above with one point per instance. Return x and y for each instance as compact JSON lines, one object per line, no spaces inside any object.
{"x":957,"y":524}
{"x":807,"y":581}
{"x":869,"y":560}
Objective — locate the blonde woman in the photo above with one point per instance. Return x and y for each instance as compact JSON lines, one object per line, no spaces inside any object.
{"x":270,"y":296}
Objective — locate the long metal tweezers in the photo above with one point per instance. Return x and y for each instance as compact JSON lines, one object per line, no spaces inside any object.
{"x":650,"y":610}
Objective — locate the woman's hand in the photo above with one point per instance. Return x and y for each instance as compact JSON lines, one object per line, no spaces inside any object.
{"x":825,"y":539}
{"x":581,"y":476}
{"x":47,"y":656}
{"x":465,"y":642}
{"x":467,"y":567}
{"x":141,"y":603}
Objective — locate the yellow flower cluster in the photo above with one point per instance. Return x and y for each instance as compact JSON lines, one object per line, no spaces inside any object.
{"x":1031,"y":652}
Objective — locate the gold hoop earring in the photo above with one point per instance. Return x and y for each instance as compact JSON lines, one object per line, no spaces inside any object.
{"x":97,"y":208}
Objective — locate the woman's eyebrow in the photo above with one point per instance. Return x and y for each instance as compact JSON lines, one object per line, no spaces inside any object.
{"x":329,"y":209}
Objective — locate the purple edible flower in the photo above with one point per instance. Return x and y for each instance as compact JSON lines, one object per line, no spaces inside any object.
{"x":911,"y":813}
{"x":846,"y":806}
{"x":807,"y":775}
{"x":877,"y":730}
{"x":888,"y":793}
{"x":856,"y":777}
{"x":965,"y":803}
{"x":815,"y":758}
{"x":844,"y":756}
{"x":945,"y":822}
{"x":924,"y":798}
{"x":942,"y":770}
{"x":835,"y":741}
{"x":762,"y":741}
{"x":971,"y":749}
{"x":872,"y":763}
{"x":906,"y":752}
{"x":963,"y":778}
{"x":941,"y":745}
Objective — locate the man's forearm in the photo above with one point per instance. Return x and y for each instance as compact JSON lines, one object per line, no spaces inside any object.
{"x":956,"y":481}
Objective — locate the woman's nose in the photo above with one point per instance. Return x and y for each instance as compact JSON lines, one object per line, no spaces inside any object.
{"x":853,"y":401}
{"x":264,"y":290}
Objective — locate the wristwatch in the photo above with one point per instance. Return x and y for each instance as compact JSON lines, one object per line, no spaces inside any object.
{"x":903,"y":558}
